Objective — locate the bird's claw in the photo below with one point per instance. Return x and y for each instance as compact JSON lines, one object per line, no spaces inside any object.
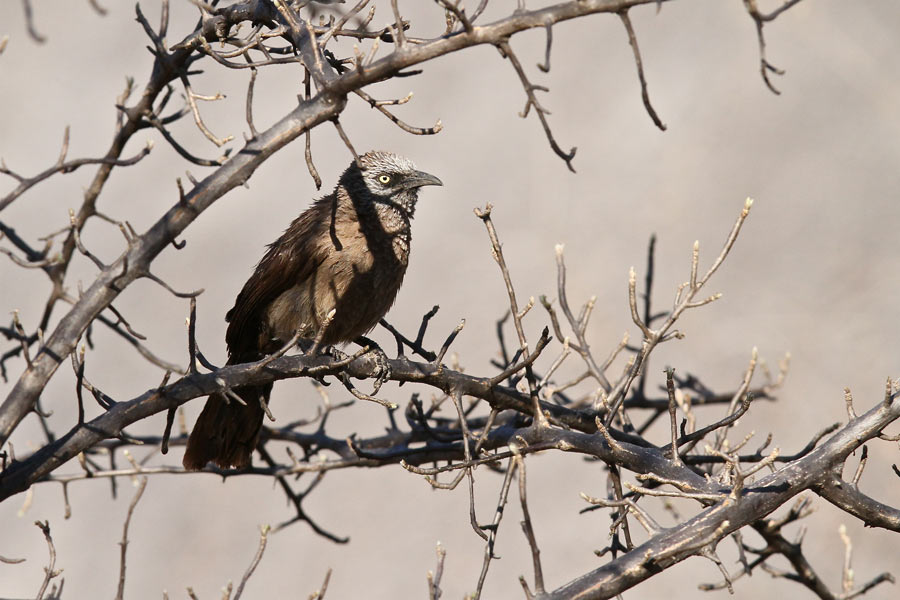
{"x":382,"y":363}
{"x":382,"y":366}
{"x":334,"y":354}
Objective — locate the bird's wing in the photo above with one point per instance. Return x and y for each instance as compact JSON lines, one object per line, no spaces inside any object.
{"x":289,"y":260}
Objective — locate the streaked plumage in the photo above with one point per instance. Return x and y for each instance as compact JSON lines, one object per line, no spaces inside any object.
{"x":347,"y":252}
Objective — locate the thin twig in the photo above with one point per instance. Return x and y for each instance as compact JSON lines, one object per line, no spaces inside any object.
{"x":507,"y":52}
{"x":49,"y":571}
{"x":645,"y":95}
{"x":142,"y":484}
{"x":263,"y":534}
{"x":528,"y":528}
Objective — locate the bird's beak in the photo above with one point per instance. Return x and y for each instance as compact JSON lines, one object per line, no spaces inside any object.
{"x":420,"y":178}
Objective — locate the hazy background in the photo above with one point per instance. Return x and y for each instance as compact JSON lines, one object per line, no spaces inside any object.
{"x":816,"y":273}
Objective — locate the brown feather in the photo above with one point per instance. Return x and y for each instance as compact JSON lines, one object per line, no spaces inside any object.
{"x":291,"y":258}
{"x":226,"y":432}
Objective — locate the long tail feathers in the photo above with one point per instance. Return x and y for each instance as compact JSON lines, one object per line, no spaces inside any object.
{"x":226,"y":432}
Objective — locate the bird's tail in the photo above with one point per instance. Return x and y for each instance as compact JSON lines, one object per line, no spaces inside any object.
{"x":226,"y":431}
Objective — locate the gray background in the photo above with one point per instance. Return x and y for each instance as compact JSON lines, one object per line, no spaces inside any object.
{"x":815,"y":273}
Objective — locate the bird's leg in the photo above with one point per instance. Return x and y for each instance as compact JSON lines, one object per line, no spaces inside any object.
{"x":382,"y":364}
{"x":310,"y":348}
{"x":314,"y":348}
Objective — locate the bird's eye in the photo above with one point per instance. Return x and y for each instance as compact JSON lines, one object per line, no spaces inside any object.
{"x":384,"y":179}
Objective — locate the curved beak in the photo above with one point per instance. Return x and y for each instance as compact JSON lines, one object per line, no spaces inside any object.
{"x":420,"y":178}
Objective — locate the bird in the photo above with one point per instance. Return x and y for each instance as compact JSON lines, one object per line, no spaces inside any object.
{"x":330,"y":277}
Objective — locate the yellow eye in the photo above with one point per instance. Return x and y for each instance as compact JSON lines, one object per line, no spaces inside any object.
{"x":384,"y":179}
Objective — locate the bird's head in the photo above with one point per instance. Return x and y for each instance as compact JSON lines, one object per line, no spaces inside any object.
{"x":389,"y":179}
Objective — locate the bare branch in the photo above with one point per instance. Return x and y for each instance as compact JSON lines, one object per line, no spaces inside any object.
{"x":29,"y":23}
{"x":50,"y":571}
{"x":141,"y":485}
{"x":434,"y":579}
{"x":765,"y":67}
{"x":263,"y":534}
{"x":379,"y":106}
{"x":645,"y":95}
{"x":528,"y":528}
{"x":26,"y":183}
{"x":506,"y":52}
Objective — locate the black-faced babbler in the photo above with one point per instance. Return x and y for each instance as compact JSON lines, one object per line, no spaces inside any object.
{"x":348,"y":253}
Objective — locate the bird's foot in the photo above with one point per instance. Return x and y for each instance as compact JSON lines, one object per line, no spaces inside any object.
{"x":335,"y":354}
{"x":382,"y":363}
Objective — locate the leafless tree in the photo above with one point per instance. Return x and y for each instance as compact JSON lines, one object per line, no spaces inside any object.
{"x":533,"y":400}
